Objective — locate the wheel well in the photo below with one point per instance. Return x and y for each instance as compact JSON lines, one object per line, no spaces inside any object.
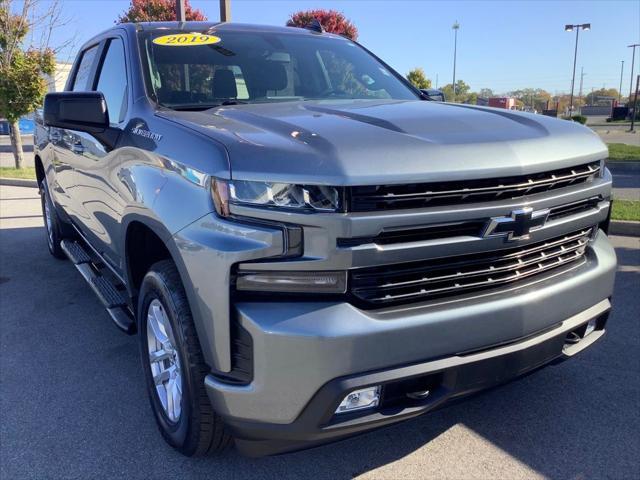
{"x":39,"y":170}
{"x":143,"y":249}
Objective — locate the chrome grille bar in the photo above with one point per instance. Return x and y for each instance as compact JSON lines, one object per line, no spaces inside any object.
{"x":451,"y":193}
{"x":398,"y":284}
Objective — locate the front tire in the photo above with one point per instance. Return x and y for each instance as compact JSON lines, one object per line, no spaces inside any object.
{"x":52,"y":224}
{"x":174,"y":367}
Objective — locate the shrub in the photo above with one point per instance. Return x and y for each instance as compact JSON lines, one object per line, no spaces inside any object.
{"x":577,"y":118}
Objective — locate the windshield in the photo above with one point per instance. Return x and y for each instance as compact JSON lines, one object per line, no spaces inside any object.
{"x":220,"y":68}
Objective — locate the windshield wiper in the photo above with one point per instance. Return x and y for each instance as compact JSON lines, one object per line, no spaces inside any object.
{"x":198,"y":107}
{"x":233,"y":102}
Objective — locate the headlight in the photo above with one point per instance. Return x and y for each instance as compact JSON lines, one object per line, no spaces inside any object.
{"x":276,"y":195}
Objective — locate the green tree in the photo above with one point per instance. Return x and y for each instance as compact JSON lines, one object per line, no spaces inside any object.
{"x":462,"y":92}
{"x":332,"y":21}
{"x":472,"y":98}
{"x":602,"y":96}
{"x":533,"y":97}
{"x":486,"y":93}
{"x":158,"y":11}
{"x":22,"y":70}
{"x":418,"y":78}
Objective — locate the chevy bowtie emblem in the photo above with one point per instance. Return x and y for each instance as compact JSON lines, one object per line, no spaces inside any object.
{"x":517,"y":225}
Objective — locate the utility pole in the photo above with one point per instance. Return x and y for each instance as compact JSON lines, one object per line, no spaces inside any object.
{"x":436,"y":80}
{"x":180,"y":11}
{"x":455,"y":27}
{"x":635,"y":104}
{"x":225,"y":10}
{"x":570,"y":28}
{"x":620,"y":89}
{"x":581,"y":80}
{"x":633,"y":59}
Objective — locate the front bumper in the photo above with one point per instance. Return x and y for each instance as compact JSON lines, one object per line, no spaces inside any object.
{"x":307,"y":356}
{"x":446,"y":379}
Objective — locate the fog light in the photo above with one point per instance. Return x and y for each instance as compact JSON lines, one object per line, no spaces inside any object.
{"x":360,"y":399}
{"x":591,"y":326}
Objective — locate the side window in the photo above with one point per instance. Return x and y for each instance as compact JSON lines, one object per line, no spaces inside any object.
{"x":80,"y":82}
{"x":345,"y":78}
{"x":112,"y":81}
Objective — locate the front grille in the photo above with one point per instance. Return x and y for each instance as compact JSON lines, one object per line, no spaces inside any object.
{"x":574,"y":208}
{"x":426,"y":280}
{"x":417,"y":234}
{"x":472,"y":228}
{"x":419,"y":195}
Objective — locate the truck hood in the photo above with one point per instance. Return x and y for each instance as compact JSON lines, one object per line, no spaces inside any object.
{"x":359,"y":142}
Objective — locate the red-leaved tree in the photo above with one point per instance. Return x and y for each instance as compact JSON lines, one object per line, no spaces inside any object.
{"x":331,"y":20}
{"x":158,"y":11}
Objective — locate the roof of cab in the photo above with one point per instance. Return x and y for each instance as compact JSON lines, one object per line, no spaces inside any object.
{"x":201,"y":26}
{"x":218,"y":26}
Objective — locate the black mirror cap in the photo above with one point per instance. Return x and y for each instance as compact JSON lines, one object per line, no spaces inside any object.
{"x":82,"y":111}
{"x":432,"y":94}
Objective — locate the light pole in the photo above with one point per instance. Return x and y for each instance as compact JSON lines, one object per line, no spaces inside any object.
{"x":633,"y":59}
{"x":455,"y":27}
{"x":620,"y":89}
{"x":571,"y":28}
{"x":180,"y":11}
{"x":225,"y":10}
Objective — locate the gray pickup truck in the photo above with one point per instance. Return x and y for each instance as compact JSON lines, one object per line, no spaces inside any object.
{"x":306,"y":246}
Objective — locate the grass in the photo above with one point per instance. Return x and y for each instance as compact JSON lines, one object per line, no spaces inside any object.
{"x":622,"y":152}
{"x":28,"y":173}
{"x":626,"y":210}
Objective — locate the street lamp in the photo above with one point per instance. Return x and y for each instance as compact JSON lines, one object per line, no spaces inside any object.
{"x":633,"y":58}
{"x":455,"y":27}
{"x":571,"y":28}
{"x":620,"y":89}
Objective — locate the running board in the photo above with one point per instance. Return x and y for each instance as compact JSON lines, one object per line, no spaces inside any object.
{"x":113,"y":299}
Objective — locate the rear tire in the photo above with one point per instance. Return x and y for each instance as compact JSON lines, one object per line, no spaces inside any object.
{"x":52,"y":224}
{"x":175,"y":376}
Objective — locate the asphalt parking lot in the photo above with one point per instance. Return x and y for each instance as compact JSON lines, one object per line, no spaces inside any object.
{"x":72,"y":402}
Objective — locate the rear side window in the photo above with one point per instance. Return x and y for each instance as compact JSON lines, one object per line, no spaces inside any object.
{"x":81,"y":81}
{"x":112,"y":81}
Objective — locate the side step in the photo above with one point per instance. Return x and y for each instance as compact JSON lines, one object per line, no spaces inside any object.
{"x":111,"y":297}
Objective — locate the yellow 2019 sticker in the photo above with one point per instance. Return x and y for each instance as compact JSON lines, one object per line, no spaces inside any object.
{"x":186,"y":39}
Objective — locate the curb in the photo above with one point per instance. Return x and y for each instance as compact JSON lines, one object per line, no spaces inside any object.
{"x":624,"y":227}
{"x":18,"y":182}
{"x":622,"y":165}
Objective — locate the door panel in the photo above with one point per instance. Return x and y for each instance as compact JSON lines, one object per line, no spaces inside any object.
{"x":100,"y":205}
{"x":62,"y":140}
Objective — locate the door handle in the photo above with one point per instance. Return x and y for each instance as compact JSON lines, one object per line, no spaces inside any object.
{"x":77,"y":148}
{"x":54,"y":136}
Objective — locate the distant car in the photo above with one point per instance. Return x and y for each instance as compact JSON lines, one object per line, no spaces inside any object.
{"x":433,"y":94}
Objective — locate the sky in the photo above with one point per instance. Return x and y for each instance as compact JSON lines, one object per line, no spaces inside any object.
{"x":502,"y":45}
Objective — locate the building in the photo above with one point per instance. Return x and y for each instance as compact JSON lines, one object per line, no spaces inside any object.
{"x":57,"y":82}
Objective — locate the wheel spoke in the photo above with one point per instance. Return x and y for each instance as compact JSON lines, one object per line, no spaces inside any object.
{"x":162,"y":377}
{"x":176,"y":397}
{"x":163,"y":360}
{"x":160,"y":355}
{"x":155,"y":321}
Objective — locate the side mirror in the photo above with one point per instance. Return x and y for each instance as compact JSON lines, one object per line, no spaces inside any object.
{"x":81,"y":111}
{"x":432,"y":94}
